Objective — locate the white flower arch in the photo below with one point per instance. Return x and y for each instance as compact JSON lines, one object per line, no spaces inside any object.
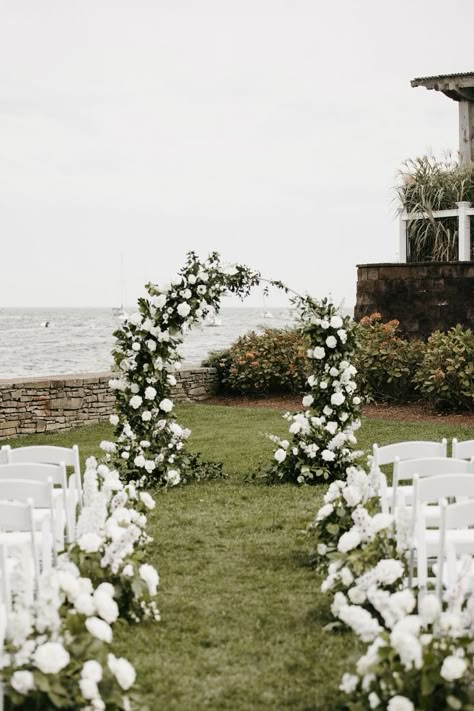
{"x":149,"y":443}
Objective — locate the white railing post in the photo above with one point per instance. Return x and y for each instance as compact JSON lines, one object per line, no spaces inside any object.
{"x":403,"y":240}
{"x":464,"y":232}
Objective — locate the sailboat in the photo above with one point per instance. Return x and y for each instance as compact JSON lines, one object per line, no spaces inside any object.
{"x":212,"y":320}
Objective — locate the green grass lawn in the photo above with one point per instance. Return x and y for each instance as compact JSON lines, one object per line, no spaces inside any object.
{"x":242,"y":615}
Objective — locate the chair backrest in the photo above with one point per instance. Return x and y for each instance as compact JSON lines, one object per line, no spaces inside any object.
{"x":35,"y":472}
{"x":442,"y":486}
{"x":430,"y":466}
{"x":43,"y":454}
{"x":5,"y":586}
{"x":38,"y":492}
{"x":16,"y":516}
{"x":407,"y":450}
{"x":459,"y":514}
{"x":463,"y":450}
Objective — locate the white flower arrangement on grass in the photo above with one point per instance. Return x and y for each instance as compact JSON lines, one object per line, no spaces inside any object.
{"x":111,"y":541}
{"x":149,"y":444}
{"x":322,"y":440}
{"x":57,"y":650}
{"x":420,"y":652}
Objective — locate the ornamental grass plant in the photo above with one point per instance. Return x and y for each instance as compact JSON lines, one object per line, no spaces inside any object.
{"x":428,"y":184}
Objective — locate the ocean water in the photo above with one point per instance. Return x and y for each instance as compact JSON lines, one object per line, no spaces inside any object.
{"x":81,"y":340}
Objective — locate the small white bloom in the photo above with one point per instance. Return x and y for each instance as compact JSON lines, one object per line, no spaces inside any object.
{"x":51,"y":657}
{"x":400,"y":703}
{"x":23,"y":682}
{"x":349,"y":540}
{"x":136,"y":401}
{"x":184,"y":309}
{"x":166,"y":405}
{"x":88,"y":688}
{"x":328,"y":456}
{"x":337,"y":399}
{"x":280,"y":455}
{"x":139,"y":461}
{"x":147,"y":500}
{"x":308,"y":400}
{"x":429,"y":608}
{"x":146,"y":416}
{"x":349,"y":683}
{"x":336,"y":322}
{"x":319,"y":353}
{"x":331,"y":342}
{"x":173,"y":477}
{"x":114,"y":420}
{"x":90,"y":542}
{"x":150,"y":393}
{"x":453,"y":668}
{"x":136,"y":346}
{"x":150,"y":576}
{"x":122,"y":670}
{"x":99,"y":629}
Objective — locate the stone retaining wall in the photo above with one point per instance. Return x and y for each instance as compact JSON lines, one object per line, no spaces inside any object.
{"x":424,"y":297}
{"x":54,"y":403}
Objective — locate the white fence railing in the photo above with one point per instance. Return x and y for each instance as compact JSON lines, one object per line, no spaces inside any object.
{"x":463,"y":212}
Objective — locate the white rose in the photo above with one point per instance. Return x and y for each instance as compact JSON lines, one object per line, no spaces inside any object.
{"x":136,"y":346}
{"x":150,"y":393}
{"x":336,"y":322}
{"x":90,"y":542}
{"x":356,"y":400}
{"x":331,"y":342}
{"x":321,"y":549}
{"x":324,"y":512}
{"x":114,"y":420}
{"x":51,"y":657}
{"x":125,"y":455}
{"x":429,"y":608}
{"x":327,"y":455}
{"x":147,"y":500}
{"x":92,"y":670}
{"x":99,"y":629}
{"x":150,"y":465}
{"x":319,"y":353}
{"x":308,"y":400}
{"x":166,"y":405}
{"x":128,"y":570}
{"x":191,"y":279}
{"x":323,"y":385}
{"x":349,"y":540}
{"x":135,"y":401}
{"x":23,"y":682}
{"x":171,"y":380}
{"x":349,"y":683}
{"x":280,"y":455}
{"x":151,"y":344}
{"x":184,"y":309}
{"x":342,"y":333}
{"x":312,"y":381}
{"x":122,"y":670}
{"x":400,"y":703}
{"x":139,"y":461}
{"x":337,"y":399}
{"x":453,"y":668}
{"x":107,"y":608}
{"x":158,"y":301}
{"x":146,"y":416}
{"x":173,"y":477}
{"x":88,"y":688}
{"x":84,"y":604}
{"x":150,"y":576}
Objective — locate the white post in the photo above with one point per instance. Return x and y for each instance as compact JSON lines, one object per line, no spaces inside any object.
{"x":403,"y":241}
{"x":464,"y":232}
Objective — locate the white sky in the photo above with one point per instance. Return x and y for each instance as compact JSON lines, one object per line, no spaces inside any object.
{"x":269,"y":130}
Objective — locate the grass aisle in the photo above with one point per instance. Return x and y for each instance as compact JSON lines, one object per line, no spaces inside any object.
{"x":243,"y":617}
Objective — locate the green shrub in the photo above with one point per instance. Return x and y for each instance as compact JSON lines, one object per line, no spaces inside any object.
{"x":445,"y":376}
{"x":385,"y":362}
{"x":220,"y":360}
{"x":270,"y":362}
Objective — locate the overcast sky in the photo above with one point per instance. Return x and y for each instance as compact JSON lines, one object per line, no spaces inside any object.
{"x":269,"y":130}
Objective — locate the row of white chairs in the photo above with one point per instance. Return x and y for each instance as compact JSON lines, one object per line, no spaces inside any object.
{"x":39,"y":502}
{"x":437,"y":497}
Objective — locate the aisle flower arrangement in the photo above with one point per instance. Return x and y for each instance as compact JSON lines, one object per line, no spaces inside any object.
{"x":420,"y":651}
{"x":111,"y":541}
{"x":57,"y":651}
{"x":321,"y":439}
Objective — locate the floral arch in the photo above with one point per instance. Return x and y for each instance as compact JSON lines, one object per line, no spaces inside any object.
{"x":150,"y":445}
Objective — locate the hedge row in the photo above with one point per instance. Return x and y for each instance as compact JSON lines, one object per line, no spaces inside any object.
{"x":440,"y":370}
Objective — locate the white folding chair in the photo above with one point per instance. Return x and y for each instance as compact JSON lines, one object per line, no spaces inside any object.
{"x":48,"y":454}
{"x":463,"y":450}
{"x":17,"y":528}
{"x":424,"y":467}
{"x":458,"y":517}
{"x":425,"y":529}
{"x":388,"y":453}
{"x":42,"y":473}
{"x":40,"y":495}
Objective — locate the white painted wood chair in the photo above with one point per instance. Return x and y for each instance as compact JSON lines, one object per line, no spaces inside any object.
{"x":48,"y":454}
{"x":389,"y":453}
{"x":463,"y":450}
{"x":42,"y":473}
{"x":404,"y":471}
{"x":40,"y":495}
{"x":426,"y":529}
{"x":18,"y":529}
{"x":456,"y":538}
